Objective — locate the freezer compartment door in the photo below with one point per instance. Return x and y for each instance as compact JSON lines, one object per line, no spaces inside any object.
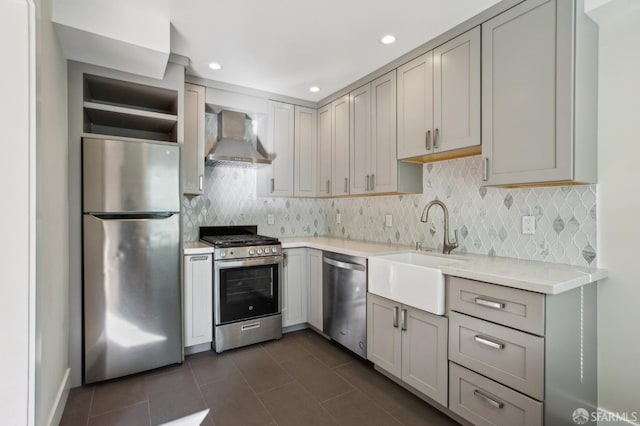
{"x":132,"y":306}
{"x":121,"y":176}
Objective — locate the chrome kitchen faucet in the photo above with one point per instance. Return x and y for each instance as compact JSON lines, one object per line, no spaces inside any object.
{"x":447,"y":245}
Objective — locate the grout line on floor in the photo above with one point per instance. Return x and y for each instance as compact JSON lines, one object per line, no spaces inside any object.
{"x":93,"y":392}
{"x":204,"y":401}
{"x":120,"y":408}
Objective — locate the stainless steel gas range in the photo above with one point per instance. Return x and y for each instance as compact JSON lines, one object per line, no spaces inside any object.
{"x":247,"y":285}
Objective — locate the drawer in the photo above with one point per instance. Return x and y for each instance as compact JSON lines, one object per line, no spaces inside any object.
{"x":508,"y":356}
{"x":515,"y":308}
{"x":485,"y":402}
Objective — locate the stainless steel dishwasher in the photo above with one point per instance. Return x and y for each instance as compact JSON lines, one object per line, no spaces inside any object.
{"x":344,"y":300}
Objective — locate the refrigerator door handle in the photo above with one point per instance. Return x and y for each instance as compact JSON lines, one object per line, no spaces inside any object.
{"x":134,"y":216}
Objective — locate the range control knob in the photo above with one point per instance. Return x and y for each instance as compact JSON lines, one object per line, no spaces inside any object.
{"x":274,"y":250}
{"x":259,"y":251}
{"x":222,"y":254}
{"x":252,"y":252}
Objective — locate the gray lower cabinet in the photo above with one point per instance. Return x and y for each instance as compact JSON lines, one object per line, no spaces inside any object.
{"x":294,"y":287}
{"x":314,"y":278}
{"x":409,"y":344}
{"x":539,"y":94}
{"x":519,"y":357}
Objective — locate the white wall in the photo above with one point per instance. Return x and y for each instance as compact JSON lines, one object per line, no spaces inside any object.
{"x":52,"y":248}
{"x":17,"y":186}
{"x":619,"y":207}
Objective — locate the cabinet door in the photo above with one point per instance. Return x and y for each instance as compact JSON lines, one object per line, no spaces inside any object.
{"x":526,"y":136}
{"x":193,"y":147}
{"x":324,"y":151}
{"x":415,"y":107}
{"x":360,"y":139}
{"x":384,"y":166}
{"x":456,"y":92}
{"x":424,"y":353}
{"x":305,"y":152}
{"x":294,"y":286}
{"x":314,"y":279}
{"x":340,"y":147}
{"x":281,"y":125}
{"x":383,"y":334}
{"x":198,"y":300}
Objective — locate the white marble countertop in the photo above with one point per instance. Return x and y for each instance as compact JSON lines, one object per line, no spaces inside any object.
{"x":197,"y":248}
{"x":540,"y":277}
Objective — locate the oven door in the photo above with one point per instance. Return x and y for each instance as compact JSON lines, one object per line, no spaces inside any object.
{"x":246,"y":288}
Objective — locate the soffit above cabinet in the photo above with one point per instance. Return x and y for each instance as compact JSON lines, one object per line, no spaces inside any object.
{"x":127,"y":36}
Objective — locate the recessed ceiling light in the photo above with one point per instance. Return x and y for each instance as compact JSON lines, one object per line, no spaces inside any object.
{"x":388,"y":39}
{"x":215,"y":66}
{"x":314,"y":89}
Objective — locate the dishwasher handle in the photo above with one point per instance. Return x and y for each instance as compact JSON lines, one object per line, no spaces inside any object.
{"x":343,"y":265}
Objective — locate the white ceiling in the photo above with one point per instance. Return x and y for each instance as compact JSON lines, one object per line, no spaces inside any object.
{"x":286,"y":46}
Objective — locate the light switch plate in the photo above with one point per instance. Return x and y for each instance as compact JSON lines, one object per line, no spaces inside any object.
{"x":529,"y":225}
{"x":338,"y":218}
{"x":388,"y":221}
{"x":270,"y":219}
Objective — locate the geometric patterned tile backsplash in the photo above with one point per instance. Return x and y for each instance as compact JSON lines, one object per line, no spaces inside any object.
{"x":488,"y":220}
{"x":230,"y":199}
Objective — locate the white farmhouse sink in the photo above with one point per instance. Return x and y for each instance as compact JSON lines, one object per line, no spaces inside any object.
{"x":412,"y":278}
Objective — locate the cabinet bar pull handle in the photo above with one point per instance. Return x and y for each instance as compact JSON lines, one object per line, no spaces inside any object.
{"x":198,"y":258}
{"x":250,"y":326}
{"x":486,"y":398}
{"x":201,"y":182}
{"x":403,"y":319}
{"x":346,"y":185}
{"x":427,"y":137}
{"x":328,"y":186}
{"x":366,"y":182}
{"x":485,"y":171}
{"x":372,"y":182}
{"x":436,"y":139}
{"x":488,"y":342}
{"x":273,"y":185}
{"x":489,"y":303}
{"x":395,"y":316}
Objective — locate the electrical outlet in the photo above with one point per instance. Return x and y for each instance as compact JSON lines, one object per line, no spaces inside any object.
{"x":271,"y":219}
{"x":528,"y":225}
{"x":388,"y":221}
{"x":338,"y":218}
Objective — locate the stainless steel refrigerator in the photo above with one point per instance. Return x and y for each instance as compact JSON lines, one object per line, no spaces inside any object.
{"x":131,"y":257}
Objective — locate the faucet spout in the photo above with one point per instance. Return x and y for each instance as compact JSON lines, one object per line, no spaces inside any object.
{"x":447,"y":245}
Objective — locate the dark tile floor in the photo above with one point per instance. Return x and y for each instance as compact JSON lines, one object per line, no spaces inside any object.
{"x":302,"y":379}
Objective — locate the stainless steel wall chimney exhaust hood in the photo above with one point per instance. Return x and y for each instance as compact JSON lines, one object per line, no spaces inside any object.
{"x":237,"y":145}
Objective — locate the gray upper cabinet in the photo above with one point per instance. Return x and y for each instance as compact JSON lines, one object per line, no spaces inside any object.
{"x":340,"y":146}
{"x":305,"y":149}
{"x":456,"y":93}
{"x":439,"y":101}
{"x":374,"y":167}
{"x":360,"y":140}
{"x":323,"y":180}
{"x":539,"y":87}
{"x":193,"y":148}
{"x":281,"y":145}
{"x":415,"y":107}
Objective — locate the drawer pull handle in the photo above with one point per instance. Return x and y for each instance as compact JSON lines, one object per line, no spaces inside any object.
{"x":488,"y":342}
{"x":489,"y":303}
{"x":486,"y":398}
{"x":198,"y":258}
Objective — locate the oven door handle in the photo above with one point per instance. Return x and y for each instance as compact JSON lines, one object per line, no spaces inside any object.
{"x":258,"y":261}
